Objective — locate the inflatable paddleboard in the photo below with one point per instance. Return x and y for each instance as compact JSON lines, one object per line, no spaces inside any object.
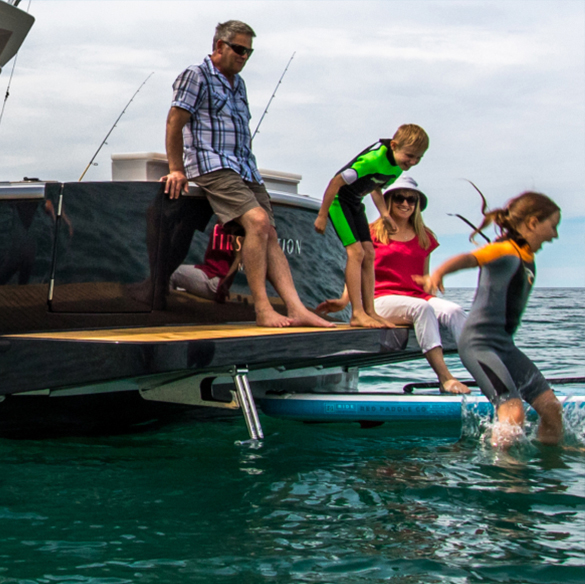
{"x":384,"y":407}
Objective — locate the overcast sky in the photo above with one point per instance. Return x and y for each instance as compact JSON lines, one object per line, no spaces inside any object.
{"x":498,"y":85}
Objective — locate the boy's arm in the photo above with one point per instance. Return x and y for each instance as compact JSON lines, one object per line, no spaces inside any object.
{"x":434,"y":282}
{"x":332,"y":189}
{"x":380,"y":203}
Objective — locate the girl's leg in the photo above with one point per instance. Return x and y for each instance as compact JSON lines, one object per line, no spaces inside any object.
{"x":506,"y":377}
{"x":550,"y":410}
{"x":509,"y":424}
{"x":353,"y":281}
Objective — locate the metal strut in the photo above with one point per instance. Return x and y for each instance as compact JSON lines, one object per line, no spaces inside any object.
{"x":196,"y":390}
{"x":247,"y":404}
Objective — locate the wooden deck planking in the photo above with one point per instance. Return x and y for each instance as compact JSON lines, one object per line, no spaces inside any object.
{"x":177,"y":333}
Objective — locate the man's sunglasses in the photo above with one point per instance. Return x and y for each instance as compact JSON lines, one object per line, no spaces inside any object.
{"x":240,"y":49}
{"x":411,"y":199}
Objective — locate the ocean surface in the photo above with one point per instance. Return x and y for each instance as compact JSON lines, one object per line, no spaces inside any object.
{"x":192,"y":501}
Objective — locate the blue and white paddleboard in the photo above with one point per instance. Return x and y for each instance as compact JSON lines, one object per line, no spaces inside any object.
{"x":383,"y":407}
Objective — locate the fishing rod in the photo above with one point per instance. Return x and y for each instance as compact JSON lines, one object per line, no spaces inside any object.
{"x":273,"y":94}
{"x":484,"y":208}
{"x":112,"y":128}
{"x":475,"y":229}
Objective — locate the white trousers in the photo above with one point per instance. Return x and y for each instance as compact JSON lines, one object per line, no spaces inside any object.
{"x":425,"y":315}
{"x":195,"y":281}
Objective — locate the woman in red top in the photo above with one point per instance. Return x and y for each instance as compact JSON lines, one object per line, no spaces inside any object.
{"x":397,"y":297}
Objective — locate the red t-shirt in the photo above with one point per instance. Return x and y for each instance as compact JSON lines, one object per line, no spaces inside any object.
{"x":219,"y":254}
{"x":395,"y":264}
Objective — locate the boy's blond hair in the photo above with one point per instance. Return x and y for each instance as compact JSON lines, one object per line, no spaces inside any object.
{"x":411,"y":135}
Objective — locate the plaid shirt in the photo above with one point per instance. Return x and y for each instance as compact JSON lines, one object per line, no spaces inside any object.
{"x":218,"y":135}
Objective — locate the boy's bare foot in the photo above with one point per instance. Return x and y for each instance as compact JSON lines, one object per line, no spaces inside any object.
{"x":271,"y":318}
{"x":366,"y":321}
{"x":454,"y":386}
{"x":305,"y":317}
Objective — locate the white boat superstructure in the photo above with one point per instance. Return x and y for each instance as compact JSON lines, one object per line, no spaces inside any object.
{"x":14,"y":26}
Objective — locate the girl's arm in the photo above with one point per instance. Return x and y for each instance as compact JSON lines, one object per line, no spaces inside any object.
{"x":434,"y":282}
{"x":380,"y":203}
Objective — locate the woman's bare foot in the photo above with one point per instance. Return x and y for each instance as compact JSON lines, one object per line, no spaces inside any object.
{"x":305,"y":317}
{"x":385,"y":323}
{"x":454,"y":386}
{"x":366,"y":321}
{"x":271,"y":318}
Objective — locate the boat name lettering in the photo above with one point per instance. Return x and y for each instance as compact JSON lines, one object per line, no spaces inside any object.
{"x":290,"y":246}
{"x":227,"y":242}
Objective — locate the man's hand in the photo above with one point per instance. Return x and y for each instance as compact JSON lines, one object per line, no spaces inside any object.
{"x":320,"y":224}
{"x":175,"y":183}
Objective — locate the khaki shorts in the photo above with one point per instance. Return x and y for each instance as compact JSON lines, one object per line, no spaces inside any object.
{"x":230,"y":196}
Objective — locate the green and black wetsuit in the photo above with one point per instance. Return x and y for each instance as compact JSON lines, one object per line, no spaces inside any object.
{"x":373,"y":168}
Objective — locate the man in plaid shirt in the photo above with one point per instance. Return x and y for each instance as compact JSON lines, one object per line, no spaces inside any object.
{"x":208,"y":142}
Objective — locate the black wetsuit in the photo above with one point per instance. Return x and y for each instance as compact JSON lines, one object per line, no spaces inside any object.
{"x":486,"y":346}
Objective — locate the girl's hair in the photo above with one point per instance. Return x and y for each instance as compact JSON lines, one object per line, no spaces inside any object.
{"x":379,"y":231}
{"x":516,"y":211}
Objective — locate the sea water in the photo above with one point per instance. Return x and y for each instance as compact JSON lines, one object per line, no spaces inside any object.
{"x":191,"y":501}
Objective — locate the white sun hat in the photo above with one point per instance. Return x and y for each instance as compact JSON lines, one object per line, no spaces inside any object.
{"x":407,"y":182}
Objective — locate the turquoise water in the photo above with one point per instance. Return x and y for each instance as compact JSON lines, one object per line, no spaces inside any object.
{"x":187,"y":502}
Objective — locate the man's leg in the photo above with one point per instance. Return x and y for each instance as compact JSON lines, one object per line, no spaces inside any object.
{"x":255,"y":256}
{"x":279,"y":275}
{"x":249,"y":204}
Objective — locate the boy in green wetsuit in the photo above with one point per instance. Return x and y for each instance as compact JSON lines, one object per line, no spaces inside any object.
{"x":374,"y":169}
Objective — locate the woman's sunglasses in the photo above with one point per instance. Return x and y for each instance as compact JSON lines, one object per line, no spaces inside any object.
{"x":240,"y":49}
{"x":410,"y":199}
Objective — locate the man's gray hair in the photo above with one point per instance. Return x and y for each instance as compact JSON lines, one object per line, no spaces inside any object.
{"x":226,"y":31}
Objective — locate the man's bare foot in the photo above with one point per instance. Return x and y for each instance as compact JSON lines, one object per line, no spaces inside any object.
{"x":307,"y":318}
{"x":366,"y":321}
{"x":454,"y":386}
{"x":272,"y":319}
